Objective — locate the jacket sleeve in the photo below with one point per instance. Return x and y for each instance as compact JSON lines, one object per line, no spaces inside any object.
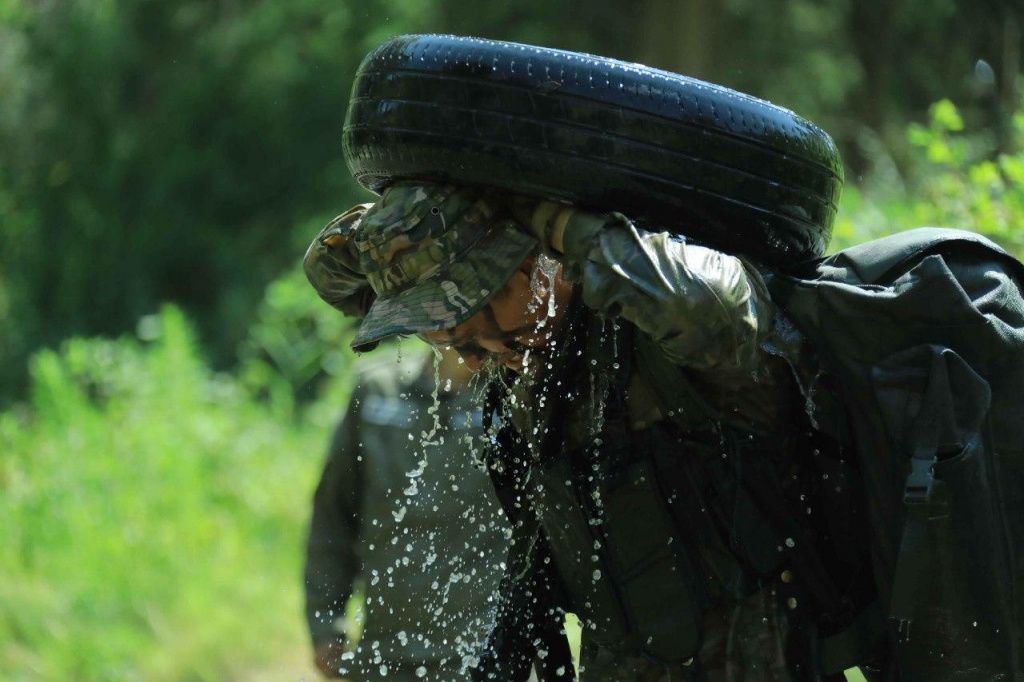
{"x":705,"y":309}
{"x":331,"y":558}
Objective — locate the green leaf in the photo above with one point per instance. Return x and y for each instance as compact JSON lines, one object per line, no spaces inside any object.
{"x":1013,"y":168}
{"x":946,"y":116}
{"x":919,"y":136}
{"x":939,"y":152}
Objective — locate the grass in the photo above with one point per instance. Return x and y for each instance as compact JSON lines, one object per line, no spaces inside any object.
{"x":153,"y":518}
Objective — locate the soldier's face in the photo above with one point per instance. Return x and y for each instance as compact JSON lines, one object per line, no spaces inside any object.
{"x":510,"y":325}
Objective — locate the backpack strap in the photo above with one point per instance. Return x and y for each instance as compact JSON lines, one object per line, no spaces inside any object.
{"x":922,"y":493}
{"x":912,"y":560}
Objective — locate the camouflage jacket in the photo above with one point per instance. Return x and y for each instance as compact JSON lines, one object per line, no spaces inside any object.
{"x":704,"y":311}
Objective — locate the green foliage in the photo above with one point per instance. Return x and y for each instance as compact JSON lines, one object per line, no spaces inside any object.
{"x":954,"y":182}
{"x":179,"y":150}
{"x":164,"y":151}
{"x":153,"y":516}
{"x":295,"y":340}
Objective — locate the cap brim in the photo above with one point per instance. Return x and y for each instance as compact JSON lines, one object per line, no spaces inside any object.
{"x":453,"y":295}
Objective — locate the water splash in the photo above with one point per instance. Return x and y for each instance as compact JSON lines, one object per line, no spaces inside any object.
{"x":428,"y":438}
{"x":542,"y":286}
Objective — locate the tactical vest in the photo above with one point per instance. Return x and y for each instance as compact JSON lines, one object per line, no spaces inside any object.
{"x":651,"y":528}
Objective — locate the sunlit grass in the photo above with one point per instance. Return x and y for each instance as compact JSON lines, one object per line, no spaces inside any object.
{"x":153,"y":518}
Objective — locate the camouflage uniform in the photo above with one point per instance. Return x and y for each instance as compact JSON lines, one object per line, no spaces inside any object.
{"x":710,"y":325}
{"x":429,"y":563}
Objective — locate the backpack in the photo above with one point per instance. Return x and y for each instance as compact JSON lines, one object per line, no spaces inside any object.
{"x":922,"y":336}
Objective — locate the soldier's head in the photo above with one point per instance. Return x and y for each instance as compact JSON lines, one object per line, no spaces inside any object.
{"x":452,"y":266}
{"x":517,"y":321}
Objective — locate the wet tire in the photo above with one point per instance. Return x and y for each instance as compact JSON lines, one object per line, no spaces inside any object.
{"x":669,"y":151}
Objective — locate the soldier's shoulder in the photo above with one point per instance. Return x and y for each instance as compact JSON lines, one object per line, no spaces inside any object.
{"x":389,"y":372}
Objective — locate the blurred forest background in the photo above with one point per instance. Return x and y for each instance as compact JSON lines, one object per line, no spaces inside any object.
{"x":167,"y":378}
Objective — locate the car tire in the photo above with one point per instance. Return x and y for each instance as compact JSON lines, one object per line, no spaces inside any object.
{"x":671,"y":152}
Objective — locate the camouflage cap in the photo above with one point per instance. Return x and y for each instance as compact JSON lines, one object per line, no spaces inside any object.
{"x":434,"y":255}
{"x":333,"y":268}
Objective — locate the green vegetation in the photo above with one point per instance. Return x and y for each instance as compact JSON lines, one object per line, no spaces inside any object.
{"x":955,"y":181}
{"x":153,"y":514}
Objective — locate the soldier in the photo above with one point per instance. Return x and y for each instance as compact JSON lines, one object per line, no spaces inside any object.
{"x":653,"y":454}
{"x":426,"y":542}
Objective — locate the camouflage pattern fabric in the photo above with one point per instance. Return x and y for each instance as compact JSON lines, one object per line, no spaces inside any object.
{"x":332,"y":266}
{"x":432,"y":255}
{"x":704,"y":308}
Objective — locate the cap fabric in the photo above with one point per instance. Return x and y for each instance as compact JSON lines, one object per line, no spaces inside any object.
{"x":434,"y":255}
{"x":333,"y":269}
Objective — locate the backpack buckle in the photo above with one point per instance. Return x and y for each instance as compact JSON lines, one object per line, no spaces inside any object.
{"x":920,"y":482}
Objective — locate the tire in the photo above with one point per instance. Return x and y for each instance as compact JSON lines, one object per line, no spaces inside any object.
{"x":721,"y":167}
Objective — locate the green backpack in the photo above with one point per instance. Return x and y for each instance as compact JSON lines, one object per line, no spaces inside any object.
{"x":922,"y":334}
